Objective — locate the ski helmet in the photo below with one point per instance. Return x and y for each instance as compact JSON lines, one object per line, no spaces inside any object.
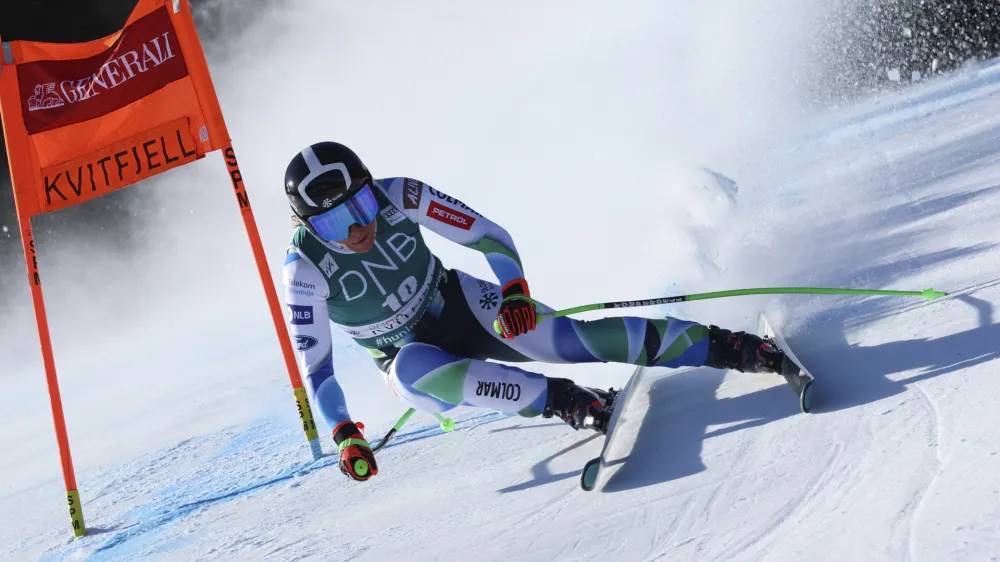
{"x":320,"y":180}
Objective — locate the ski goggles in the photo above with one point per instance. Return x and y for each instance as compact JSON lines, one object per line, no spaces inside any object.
{"x":335,"y":225}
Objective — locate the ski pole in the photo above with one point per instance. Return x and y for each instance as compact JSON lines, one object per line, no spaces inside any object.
{"x":402,"y":421}
{"x":929,"y":294}
{"x":447,"y":424}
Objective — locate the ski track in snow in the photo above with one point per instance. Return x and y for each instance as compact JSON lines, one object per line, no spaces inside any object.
{"x":795,"y":505}
{"x":934,"y":439}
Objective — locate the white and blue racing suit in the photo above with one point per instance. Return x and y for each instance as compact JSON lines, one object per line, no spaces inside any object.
{"x":430,"y":329}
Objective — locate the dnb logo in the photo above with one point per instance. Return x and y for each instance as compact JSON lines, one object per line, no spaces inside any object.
{"x":302,"y":343}
{"x":300,"y":314}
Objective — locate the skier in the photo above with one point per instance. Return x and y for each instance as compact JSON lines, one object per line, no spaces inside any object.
{"x":358,"y":258}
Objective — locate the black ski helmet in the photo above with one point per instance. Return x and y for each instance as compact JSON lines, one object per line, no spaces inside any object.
{"x":321,"y":177}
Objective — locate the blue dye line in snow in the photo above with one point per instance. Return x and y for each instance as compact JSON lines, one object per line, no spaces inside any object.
{"x":886,"y":121}
{"x":893,"y":116}
{"x":945,"y":96}
{"x":212,"y":486}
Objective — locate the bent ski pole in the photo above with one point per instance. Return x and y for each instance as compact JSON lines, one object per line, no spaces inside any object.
{"x":929,"y":294}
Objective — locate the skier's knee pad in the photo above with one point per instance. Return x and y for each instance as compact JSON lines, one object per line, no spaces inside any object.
{"x":417,"y":359}
{"x":413,"y":362}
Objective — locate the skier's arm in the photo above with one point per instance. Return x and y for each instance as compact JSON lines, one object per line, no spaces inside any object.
{"x":454,"y":220}
{"x":305,"y":296}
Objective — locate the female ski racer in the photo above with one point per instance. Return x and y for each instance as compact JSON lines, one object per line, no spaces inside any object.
{"x":357,"y":258}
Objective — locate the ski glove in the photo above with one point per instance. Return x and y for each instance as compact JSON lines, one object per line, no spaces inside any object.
{"x":356,"y":457}
{"x":516,"y":316}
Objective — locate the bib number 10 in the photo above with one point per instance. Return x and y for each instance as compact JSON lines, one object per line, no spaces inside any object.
{"x":407,"y":289}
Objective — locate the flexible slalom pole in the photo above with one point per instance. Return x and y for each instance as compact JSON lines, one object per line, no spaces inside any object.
{"x":55,"y":399}
{"x":215,"y":128}
{"x":447,"y":425}
{"x":19,"y":156}
{"x":274,"y":305}
{"x":929,"y":294}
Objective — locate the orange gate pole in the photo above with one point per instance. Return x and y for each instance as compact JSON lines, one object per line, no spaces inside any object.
{"x":55,"y":399}
{"x":301,"y":398}
{"x":27,"y":180}
{"x":22,"y":175}
{"x":216,"y":129}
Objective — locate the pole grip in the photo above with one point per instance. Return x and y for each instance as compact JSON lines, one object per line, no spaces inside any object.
{"x":539,"y":317}
{"x":538,"y":320}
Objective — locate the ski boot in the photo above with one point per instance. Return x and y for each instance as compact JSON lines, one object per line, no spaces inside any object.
{"x":579,"y":406}
{"x":746,"y":353}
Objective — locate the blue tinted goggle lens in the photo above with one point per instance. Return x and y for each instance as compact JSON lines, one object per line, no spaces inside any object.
{"x":334,"y":225}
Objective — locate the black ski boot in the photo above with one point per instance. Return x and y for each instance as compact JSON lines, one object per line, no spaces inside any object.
{"x":579,"y":406}
{"x":747,"y":353}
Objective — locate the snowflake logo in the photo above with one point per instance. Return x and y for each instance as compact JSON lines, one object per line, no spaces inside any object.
{"x":327,"y":203}
{"x":488,"y":301}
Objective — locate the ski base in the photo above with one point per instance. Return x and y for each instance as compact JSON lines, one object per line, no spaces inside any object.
{"x":594,"y":469}
{"x":797,"y":377}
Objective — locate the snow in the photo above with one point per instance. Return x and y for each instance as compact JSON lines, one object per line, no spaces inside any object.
{"x":181,"y":418}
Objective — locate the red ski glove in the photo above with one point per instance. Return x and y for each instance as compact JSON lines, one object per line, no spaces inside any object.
{"x":516,"y":316}
{"x":356,"y":457}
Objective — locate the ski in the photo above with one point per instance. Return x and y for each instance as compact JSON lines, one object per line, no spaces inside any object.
{"x":594,"y":468}
{"x":797,"y":377}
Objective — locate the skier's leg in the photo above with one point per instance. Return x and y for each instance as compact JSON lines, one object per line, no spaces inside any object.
{"x":654,"y":342}
{"x":660,"y":342}
{"x":433,"y":380}
{"x":663,"y":342}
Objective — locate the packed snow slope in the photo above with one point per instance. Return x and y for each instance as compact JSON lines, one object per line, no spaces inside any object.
{"x":185,"y":433}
